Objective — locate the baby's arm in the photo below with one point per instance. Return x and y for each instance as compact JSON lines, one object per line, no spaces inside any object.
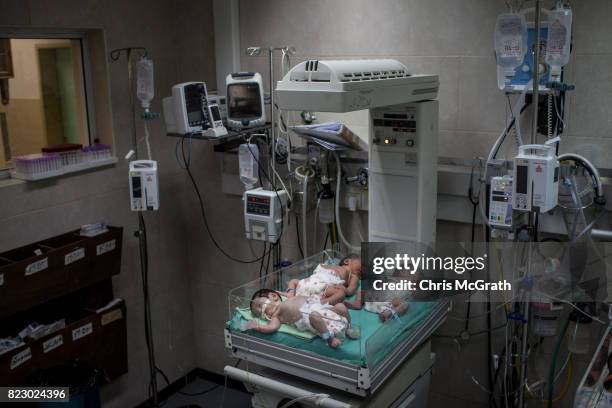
{"x":353,"y":284}
{"x":271,"y":327}
{"x":291,"y":287}
{"x":357,"y":303}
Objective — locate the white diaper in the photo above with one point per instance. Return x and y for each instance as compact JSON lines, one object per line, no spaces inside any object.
{"x":315,"y":284}
{"x":335,"y":323}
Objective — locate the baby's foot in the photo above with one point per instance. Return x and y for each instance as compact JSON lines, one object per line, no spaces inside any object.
{"x":384,"y":316}
{"x":353,"y":333}
{"x":334,"y":342}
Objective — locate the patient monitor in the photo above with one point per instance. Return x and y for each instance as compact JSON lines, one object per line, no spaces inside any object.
{"x":245,"y":100}
{"x":188,"y":111}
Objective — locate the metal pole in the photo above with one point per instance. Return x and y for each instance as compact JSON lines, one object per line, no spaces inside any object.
{"x":272,"y":116}
{"x":525,"y":339}
{"x":267,"y":385}
{"x":142,"y":240}
{"x":142,"y":244}
{"x":601,"y":234}
{"x":536,"y":72}
{"x":132,"y":104}
{"x":532,"y":216}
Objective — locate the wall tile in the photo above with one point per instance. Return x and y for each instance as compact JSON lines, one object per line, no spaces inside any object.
{"x":482,"y":106}
{"x":591,"y":27}
{"x":590,"y":115}
{"x":14,"y":12}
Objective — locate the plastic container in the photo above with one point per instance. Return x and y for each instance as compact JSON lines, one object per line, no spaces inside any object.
{"x":545,"y":318}
{"x":510,"y":39}
{"x":70,"y":154}
{"x":145,"y":85}
{"x":248,"y":157}
{"x":36,"y":166}
{"x":559,"y":37}
{"x":96,"y":152}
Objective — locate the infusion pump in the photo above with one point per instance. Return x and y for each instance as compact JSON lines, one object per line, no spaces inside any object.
{"x":144,"y":192}
{"x":500,"y":202}
{"x":536,"y":178}
{"x":264,"y":214}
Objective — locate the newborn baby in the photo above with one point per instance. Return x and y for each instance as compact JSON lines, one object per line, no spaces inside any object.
{"x":393,"y":308}
{"x":304,"y":313}
{"x":329,"y":282}
{"x":387,"y":304}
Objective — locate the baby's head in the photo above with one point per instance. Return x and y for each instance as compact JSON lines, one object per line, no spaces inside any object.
{"x":353,"y":262}
{"x":263,"y":302}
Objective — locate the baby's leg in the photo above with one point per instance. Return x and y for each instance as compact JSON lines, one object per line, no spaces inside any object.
{"x":400,"y":306}
{"x":342,"y":310}
{"x":318,"y":323}
{"x":333,"y":295}
{"x":351,"y":332}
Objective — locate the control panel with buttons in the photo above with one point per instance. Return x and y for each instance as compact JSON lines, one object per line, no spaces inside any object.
{"x":500,"y":202}
{"x":264,"y":214}
{"x":395,"y":129}
{"x":403,"y":156}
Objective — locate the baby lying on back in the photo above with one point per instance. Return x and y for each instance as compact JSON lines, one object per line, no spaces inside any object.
{"x":331,"y":323}
{"x":332,"y":284}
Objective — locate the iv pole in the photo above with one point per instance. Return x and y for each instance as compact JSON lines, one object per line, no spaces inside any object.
{"x":254,"y":52}
{"x":141,"y":233}
{"x":533,"y":215}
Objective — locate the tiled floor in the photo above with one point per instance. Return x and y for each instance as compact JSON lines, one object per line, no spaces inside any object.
{"x":212,"y":399}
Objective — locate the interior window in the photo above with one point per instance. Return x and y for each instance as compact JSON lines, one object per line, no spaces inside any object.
{"x":43,"y":96}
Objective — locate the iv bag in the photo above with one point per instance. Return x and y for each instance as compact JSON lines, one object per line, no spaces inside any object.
{"x":248,"y":156}
{"x":559,"y":37}
{"x":510,"y":40}
{"x":145,"y":87}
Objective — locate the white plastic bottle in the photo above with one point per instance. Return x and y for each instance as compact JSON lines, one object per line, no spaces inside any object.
{"x":510,"y":39}
{"x":248,"y":157}
{"x":559,"y":37}
{"x":145,"y":85}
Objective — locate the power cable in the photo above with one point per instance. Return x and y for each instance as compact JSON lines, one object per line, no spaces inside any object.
{"x":203,"y":213}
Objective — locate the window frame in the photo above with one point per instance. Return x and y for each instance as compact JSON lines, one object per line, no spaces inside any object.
{"x":62,"y":34}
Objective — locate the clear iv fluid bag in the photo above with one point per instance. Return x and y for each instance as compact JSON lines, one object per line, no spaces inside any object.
{"x":145,"y":86}
{"x":559,"y":37}
{"x":510,"y":39}
{"x":248,"y":156}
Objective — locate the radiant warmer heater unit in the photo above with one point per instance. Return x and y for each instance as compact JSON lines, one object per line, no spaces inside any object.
{"x":350,"y":85}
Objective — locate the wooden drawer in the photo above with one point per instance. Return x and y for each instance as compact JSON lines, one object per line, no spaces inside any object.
{"x":97,"y":338}
{"x":42,"y":271}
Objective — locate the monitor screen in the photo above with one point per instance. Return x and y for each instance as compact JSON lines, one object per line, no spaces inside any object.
{"x":193,"y":103}
{"x":194,"y":116}
{"x":244,"y":101}
{"x":521,"y":179}
{"x":216,"y":116}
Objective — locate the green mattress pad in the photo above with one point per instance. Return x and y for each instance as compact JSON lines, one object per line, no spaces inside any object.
{"x":380,"y":337}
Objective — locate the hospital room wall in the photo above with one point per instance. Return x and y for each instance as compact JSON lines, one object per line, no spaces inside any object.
{"x":455,"y":41}
{"x":34,"y":211}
